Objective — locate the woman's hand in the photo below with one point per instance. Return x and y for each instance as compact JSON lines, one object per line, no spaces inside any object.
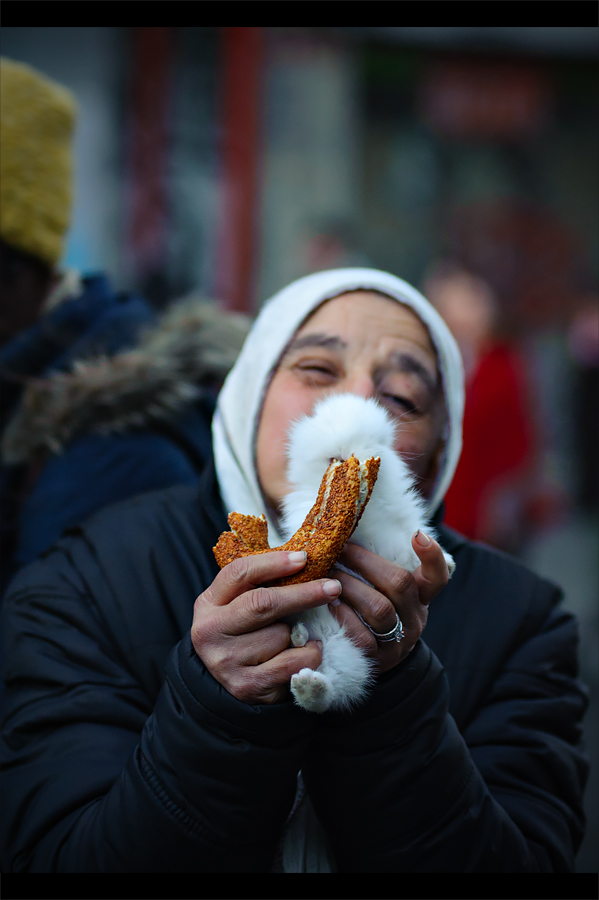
{"x":237,"y":632}
{"x":393,"y":589}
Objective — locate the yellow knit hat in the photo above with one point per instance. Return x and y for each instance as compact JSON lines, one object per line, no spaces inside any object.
{"x":37,"y":118}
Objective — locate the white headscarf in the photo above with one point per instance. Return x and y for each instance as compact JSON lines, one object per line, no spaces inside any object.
{"x":242,"y":396}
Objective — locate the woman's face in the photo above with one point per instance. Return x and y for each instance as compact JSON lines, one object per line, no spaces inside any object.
{"x":361,"y":343}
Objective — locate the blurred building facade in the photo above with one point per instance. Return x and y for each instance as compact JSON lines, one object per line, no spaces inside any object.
{"x":229,"y":161}
{"x":389,"y":146}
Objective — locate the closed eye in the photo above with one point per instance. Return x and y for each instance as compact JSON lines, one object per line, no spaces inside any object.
{"x":403,"y":402}
{"x":318,"y":364}
{"x":315,"y":368}
{"x":316,"y":372}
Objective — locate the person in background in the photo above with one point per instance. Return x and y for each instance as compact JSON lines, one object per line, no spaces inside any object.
{"x":88,"y":414}
{"x":331,"y":243}
{"x":490,"y":492}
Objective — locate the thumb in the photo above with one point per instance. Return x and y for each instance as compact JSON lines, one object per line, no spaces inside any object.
{"x":432,"y":574}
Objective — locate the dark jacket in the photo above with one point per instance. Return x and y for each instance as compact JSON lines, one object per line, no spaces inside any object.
{"x":121,"y":753}
{"x":123,"y":405}
{"x":94,"y":320}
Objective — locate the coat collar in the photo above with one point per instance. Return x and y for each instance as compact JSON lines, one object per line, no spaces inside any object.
{"x":193,"y":345}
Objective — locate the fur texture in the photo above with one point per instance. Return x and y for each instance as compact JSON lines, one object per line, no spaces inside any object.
{"x":193,"y":343}
{"x":339,"y":426}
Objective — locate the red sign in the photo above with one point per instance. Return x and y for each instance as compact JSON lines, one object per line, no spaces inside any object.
{"x":493,"y":100}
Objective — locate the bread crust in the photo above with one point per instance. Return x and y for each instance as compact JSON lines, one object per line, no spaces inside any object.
{"x":344,"y":491}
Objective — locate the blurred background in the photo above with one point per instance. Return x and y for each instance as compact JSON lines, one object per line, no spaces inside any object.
{"x":229,"y":161}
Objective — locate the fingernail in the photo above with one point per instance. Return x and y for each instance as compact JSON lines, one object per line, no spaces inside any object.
{"x":422,"y":539}
{"x":296,"y":556}
{"x":332,"y":587}
{"x":335,"y":602}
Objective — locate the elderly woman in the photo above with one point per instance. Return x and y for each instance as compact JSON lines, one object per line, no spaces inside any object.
{"x":143,"y":733}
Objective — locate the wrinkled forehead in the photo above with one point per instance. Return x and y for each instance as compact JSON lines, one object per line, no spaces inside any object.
{"x":321,"y":323}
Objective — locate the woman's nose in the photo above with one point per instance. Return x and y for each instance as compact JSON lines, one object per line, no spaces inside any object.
{"x":362,"y":385}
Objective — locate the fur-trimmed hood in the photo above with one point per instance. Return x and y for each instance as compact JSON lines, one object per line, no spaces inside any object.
{"x":194,"y":344}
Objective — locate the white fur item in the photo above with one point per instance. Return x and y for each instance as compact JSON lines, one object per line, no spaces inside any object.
{"x":342,"y":425}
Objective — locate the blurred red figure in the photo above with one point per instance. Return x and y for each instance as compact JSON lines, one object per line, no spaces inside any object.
{"x":489,"y":495}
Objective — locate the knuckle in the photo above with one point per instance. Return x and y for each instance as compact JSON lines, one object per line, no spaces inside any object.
{"x":207,"y":597}
{"x":381,"y":609}
{"x":237,"y":571}
{"x":203,"y":604}
{"x":246,"y":569}
{"x":221,"y":659}
{"x":261,"y":602}
{"x":401,"y":580}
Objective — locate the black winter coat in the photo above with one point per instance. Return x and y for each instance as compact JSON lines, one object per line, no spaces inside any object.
{"x":121,"y":753}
